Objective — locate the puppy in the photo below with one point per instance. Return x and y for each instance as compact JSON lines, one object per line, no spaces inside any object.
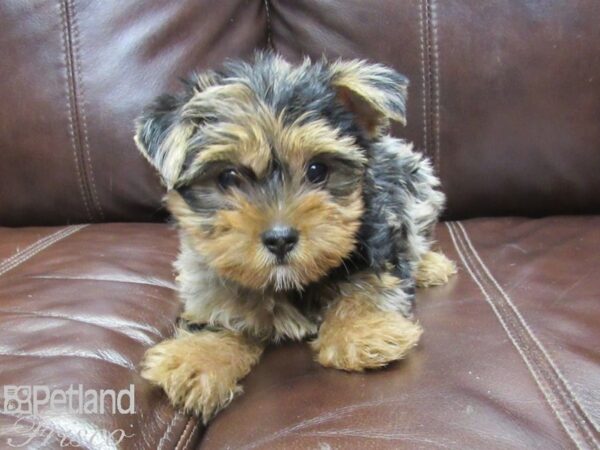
{"x":299,"y":217}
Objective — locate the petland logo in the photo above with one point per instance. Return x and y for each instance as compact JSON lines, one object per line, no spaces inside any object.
{"x":25,"y":403}
{"x":75,"y":400}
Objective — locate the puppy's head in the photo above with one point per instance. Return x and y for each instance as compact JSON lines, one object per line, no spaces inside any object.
{"x":265,"y":163}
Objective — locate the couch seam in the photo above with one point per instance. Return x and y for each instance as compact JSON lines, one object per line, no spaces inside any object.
{"x":167,"y":431}
{"x":542,"y":379}
{"x":269,"y":29}
{"x":464,"y":257}
{"x":435,"y":63}
{"x":70,"y":107}
{"x":183,"y":433}
{"x":566,"y":390}
{"x":82,"y":114}
{"x":33,"y":249}
{"x":545,"y":366}
{"x":430,"y":78}
{"x":424,"y":90}
{"x":192,"y":433}
{"x":19,"y":253}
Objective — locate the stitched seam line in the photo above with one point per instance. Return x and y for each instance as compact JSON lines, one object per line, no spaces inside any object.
{"x":79,"y":113}
{"x":435,"y":57}
{"x":525,"y":349}
{"x":81,"y":108}
{"x":554,"y":372}
{"x":75,"y":119}
{"x":532,"y":342}
{"x":269,"y":29}
{"x":424,"y":78}
{"x":539,"y":382}
{"x":35,"y":248}
{"x":164,"y":437}
{"x":531,"y":347}
{"x":189,"y":439}
{"x":73,"y":131}
{"x":30,"y":247}
{"x":22,"y":254}
{"x":180,"y":440}
{"x":430,"y":77}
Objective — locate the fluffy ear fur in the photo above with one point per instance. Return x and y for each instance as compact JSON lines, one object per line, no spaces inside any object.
{"x":161,"y":137}
{"x":374,"y":93}
{"x":163,"y":131}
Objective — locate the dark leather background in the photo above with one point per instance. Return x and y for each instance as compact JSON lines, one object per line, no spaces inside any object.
{"x":504,"y":96}
{"x":75,"y":74}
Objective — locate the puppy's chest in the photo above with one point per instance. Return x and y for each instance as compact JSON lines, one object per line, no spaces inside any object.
{"x":295,"y":315}
{"x":270,"y":315}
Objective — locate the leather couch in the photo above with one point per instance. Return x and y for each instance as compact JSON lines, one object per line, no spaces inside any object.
{"x":505,"y":99}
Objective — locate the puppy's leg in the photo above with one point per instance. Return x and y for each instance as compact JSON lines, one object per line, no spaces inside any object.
{"x":358,"y":332}
{"x":200,"y":371}
{"x":434,"y":269}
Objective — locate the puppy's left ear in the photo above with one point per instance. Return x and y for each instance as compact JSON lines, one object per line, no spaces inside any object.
{"x":373,"y":93}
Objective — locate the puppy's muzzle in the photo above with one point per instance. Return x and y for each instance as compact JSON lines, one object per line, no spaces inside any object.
{"x":280,"y":240}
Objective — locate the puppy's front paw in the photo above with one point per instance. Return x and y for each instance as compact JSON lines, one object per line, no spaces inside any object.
{"x":355,"y":343}
{"x":199,"y":372}
{"x":434,"y":269}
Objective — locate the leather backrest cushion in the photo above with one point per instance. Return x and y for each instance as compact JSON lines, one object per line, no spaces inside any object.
{"x":504,"y":95}
{"x":74,"y":75}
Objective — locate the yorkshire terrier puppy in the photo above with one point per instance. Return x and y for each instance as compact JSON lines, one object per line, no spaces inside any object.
{"x":299,"y":217}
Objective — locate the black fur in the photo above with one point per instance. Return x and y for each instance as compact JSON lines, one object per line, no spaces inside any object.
{"x":389,"y":182}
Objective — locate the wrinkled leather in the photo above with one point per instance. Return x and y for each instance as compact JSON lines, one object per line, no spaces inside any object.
{"x":504,"y":98}
{"x":83,"y":308}
{"x":467,"y":385}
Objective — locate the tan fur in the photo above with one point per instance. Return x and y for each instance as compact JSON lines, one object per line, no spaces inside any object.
{"x":200,"y":371}
{"x":434,"y":269}
{"x":359,"y":91}
{"x":204,"y":80}
{"x":299,"y":142}
{"x":238,"y":144}
{"x":230,"y":240}
{"x":247,"y":138}
{"x":238,"y":164}
{"x":357,"y":335}
{"x":172,"y":152}
{"x":232,"y":245}
{"x":221,"y":304}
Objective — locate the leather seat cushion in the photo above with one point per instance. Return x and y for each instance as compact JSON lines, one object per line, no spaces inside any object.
{"x":509,"y":358}
{"x":79,"y":305}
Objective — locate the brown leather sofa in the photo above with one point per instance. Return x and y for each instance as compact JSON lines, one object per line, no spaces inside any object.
{"x":505,"y":99}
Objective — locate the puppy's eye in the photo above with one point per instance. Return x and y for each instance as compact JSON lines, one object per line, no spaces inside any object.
{"x":229,"y":178}
{"x":316,"y":172}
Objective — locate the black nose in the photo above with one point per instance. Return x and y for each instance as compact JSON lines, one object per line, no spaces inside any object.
{"x":280,"y":240}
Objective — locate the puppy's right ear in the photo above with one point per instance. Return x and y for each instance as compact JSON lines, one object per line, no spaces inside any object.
{"x":162,"y":136}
